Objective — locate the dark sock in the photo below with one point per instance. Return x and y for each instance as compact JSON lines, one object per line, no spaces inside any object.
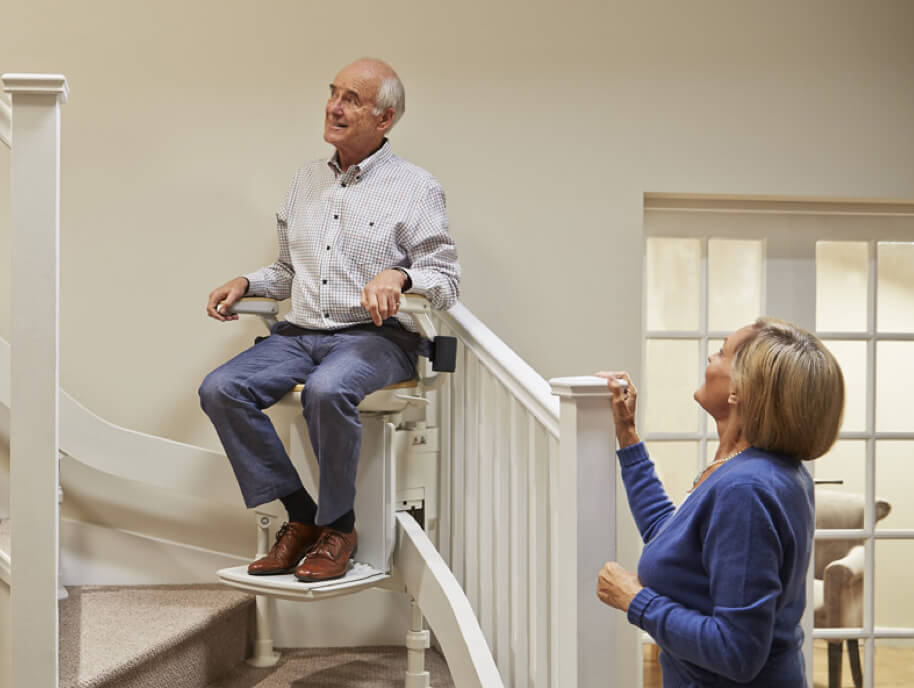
{"x":300,"y":506}
{"x":344,"y":524}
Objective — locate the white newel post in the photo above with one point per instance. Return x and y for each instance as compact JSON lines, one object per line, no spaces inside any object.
{"x":35,"y":200}
{"x":589,"y":646}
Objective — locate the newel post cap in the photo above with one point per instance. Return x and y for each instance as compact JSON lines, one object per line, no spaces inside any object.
{"x":580,"y":386}
{"x":41,"y":84}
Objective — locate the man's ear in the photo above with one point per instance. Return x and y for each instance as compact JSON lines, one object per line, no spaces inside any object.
{"x":386,"y":121}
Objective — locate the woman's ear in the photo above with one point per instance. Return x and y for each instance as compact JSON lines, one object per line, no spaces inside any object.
{"x":733,"y":398}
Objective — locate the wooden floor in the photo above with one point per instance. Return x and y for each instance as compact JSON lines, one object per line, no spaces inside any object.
{"x":894,"y":667}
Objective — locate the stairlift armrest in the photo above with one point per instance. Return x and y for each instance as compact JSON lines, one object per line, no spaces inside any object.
{"x":263,"y":307}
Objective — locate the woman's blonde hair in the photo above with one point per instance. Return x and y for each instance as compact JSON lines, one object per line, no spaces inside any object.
{"x":790,"y":390}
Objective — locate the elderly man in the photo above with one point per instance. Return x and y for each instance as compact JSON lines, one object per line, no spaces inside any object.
{"x":355,"y":232}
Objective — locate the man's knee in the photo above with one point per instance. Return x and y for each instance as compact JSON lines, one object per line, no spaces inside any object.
{"x":325,"y":393}
{"x":215,"y":389}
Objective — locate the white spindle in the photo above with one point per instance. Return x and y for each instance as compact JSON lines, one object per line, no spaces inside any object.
{"x":519,"y":566}
{"x":502,"y":488}
{"x":486,"y":510}
{"x":34,"y":426}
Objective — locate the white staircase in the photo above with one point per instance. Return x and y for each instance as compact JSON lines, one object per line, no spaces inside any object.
{"x":525,"y":490}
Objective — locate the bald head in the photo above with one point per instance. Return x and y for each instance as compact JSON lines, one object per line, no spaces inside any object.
{"x":388,"y":89}
{"x":366,"y":100}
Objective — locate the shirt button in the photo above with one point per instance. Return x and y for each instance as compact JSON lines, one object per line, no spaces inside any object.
{"x":326,"y":315}
{"x":324,"y":281}
{"x":336,"y":217}
{"x":328,"y":248}
{"x":343,"y":185}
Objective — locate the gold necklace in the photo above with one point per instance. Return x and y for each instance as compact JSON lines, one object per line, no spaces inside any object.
{"x":710,"y":468}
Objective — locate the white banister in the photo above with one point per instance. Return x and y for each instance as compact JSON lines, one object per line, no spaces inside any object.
{"x":591,"y":646}
{"x":523,"y":382}
{"x":35,"y":201}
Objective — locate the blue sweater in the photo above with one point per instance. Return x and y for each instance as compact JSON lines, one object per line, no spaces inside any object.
{"x":725,"y":573}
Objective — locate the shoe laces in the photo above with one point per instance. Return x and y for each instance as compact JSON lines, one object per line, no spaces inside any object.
{"x":328,"y":544}
{"x":283,"y":529}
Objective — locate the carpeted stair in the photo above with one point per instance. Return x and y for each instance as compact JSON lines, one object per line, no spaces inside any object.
{"x":197,"y":636}
{"x":175,"y":636}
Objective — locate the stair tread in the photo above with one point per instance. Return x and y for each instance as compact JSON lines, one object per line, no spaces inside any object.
{"x":354,"y":667}
{"x":106,"y":631}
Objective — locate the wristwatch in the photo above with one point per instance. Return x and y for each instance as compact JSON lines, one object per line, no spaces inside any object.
{"x":408,"y":284}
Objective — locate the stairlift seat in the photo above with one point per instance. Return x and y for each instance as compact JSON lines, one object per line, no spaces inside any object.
{"x":391,"y":399}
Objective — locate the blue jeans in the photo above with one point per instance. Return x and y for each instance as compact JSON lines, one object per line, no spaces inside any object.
{"x":339,"y":369}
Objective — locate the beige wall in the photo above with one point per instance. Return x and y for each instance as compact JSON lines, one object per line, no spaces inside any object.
{"x":545,"y":121}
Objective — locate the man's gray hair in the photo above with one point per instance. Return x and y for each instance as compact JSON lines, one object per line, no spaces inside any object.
{"x":391,"y":94}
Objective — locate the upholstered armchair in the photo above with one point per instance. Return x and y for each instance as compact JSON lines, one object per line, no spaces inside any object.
{"x":838,"y":590}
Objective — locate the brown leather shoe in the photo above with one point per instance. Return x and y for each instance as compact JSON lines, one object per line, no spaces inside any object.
{"x":329,"y":557}
{"x":293,"y":540}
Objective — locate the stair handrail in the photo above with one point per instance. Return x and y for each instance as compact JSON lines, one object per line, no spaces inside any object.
{"x":528,"y":386}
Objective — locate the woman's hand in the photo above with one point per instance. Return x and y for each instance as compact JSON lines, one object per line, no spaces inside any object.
{"x":624,"y":398}
{"x":616,"y":586}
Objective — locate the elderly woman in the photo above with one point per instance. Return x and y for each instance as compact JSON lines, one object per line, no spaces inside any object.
{"x":721,"y":584}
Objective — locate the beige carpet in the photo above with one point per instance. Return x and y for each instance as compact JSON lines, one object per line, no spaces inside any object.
{"x":365,"y":667}
{"x":151,"y":636}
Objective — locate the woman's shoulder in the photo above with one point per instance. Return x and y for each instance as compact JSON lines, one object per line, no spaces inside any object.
{"x":776,"y":475}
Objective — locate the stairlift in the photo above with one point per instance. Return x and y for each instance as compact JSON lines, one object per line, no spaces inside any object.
{"x":397,"y":472}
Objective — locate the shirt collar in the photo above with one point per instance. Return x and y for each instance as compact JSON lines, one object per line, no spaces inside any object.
{"x":381,"y":155}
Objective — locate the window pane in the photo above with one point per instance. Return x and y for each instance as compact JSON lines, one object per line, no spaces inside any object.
{"x":895,"y":483}
{"x":852,"y":359}
{"x":734,"y":283}
{"x":841,"y":286}
{"x":676,"y":464}
{"x":672,"y":367}
{"x":894,"y":385}
{"x":846,"y":461}
{"x":673,"y":286}
{"x":895,"y":287}
{"x":894,"y":593}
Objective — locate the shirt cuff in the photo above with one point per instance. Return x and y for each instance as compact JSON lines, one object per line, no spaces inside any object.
{"x":256,"y":287}
{"x":632,"y":454}
{"x":639,"y":605}
{"x":409,"y":278}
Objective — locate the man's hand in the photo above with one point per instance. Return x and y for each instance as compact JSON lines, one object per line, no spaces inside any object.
{"x":616,"y":586}
{"x":381,"y":296}
{"x":221,"y":299}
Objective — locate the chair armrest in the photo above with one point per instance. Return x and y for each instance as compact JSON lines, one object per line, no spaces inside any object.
{"x":263,"y":307}
{"x":842,"y":588}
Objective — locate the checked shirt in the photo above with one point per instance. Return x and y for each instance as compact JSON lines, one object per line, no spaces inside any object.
{"x":337,"y":230}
